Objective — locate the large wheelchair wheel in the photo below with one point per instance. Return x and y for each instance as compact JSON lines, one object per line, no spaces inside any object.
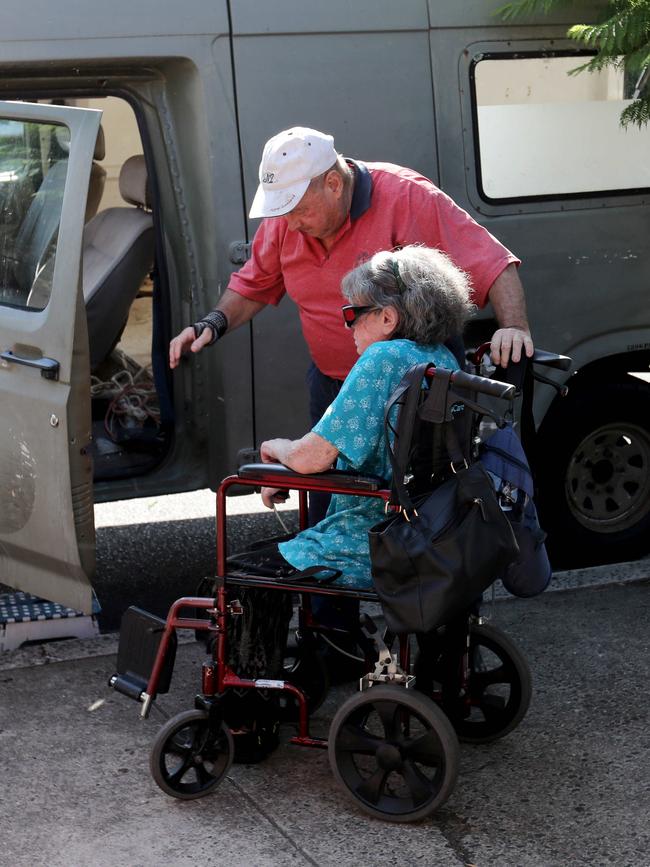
{"x":191,"y":755}
{"x":500,"y":688}
{"x":394,"y":753}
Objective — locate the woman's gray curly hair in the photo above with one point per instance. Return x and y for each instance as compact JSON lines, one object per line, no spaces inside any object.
{"x":430,"y":294}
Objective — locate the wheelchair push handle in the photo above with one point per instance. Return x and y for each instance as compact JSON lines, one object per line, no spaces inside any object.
{"x":482,"y":385}
{"x":539,"y":356}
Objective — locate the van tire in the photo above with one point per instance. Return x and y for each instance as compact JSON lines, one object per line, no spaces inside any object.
{"x":593,"y":473}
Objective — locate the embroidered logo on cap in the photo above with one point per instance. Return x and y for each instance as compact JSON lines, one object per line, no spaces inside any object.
{"x":268,"y":177}
{"x":285,"y":204}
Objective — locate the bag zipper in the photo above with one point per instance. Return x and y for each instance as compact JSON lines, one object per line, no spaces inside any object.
{"x":479,"y":502}
{"x":458,"y":519}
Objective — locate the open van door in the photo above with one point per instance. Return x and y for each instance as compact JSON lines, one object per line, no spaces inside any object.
{"x":47,"y":537}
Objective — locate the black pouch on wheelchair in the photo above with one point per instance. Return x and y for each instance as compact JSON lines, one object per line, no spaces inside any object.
{"x":257,"y":641}
{"x":433,"y":559}
{"x":254,"y":720}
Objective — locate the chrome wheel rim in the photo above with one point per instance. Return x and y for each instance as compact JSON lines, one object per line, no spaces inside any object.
{"x":608,"y":478}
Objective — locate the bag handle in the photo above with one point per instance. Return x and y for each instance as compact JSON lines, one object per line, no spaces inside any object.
{"x":411,"y":385}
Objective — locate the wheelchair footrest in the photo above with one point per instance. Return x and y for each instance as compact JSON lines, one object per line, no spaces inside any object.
{"x":130,"y":686}
{"x":140,"y":636}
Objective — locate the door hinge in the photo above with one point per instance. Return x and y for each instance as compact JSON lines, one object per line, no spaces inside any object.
{"x":239,"y":252}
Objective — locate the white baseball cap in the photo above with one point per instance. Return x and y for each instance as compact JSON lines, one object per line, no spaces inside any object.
{"x":289,"y":162}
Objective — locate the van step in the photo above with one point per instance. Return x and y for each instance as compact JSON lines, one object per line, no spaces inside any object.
{"x":24,"y":617}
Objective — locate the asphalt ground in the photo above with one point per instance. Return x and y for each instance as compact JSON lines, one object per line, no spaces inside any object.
{"x":570,"y":786}
{"x":152,"y":550}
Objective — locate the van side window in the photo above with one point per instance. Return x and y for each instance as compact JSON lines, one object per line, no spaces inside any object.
{"x":545,"y":133}
{"x":33,"y":169}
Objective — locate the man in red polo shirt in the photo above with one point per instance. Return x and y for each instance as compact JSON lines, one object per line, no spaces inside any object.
{"x":323,"y":216}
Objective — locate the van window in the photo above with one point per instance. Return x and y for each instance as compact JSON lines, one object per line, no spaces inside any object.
{"x":543,"y":132}
{"x":118,"y":264}
{"x":33,"y":168}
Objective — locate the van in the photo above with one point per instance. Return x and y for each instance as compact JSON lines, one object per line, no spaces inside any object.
{"x":483,"y":108}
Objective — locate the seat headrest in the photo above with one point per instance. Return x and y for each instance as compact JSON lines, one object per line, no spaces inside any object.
{"x":100,"y":145}
{"x":134,"y":187}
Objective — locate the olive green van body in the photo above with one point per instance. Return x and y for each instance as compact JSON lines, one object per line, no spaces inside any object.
{"x":401,"y":81}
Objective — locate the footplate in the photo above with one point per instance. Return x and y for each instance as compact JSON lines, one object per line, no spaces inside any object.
{"x":140,"y":636}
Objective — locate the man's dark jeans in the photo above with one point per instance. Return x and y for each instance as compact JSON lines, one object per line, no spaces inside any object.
{"x":322,"y":391}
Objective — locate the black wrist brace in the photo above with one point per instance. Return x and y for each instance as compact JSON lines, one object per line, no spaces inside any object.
{"x":216,"y":321}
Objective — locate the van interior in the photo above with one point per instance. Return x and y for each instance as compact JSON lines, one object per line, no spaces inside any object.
{"x":118,"y":267}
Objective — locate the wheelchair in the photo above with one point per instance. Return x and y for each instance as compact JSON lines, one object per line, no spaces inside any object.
{"x":393,"y":747}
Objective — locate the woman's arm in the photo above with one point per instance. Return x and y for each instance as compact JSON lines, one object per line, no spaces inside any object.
{"x":310,"y":454}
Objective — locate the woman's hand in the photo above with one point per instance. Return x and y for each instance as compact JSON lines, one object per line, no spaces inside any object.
{"x":274,"y":451}
{"x":271,"y":496}
{"x":310,"y":454}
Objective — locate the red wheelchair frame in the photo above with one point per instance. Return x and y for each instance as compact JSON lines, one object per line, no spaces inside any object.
{"x":201,"y":741}
{"x":218,"y":676}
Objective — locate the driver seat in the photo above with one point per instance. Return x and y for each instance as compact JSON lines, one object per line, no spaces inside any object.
{"x":39,"y":228}
{"x":118,"y":253}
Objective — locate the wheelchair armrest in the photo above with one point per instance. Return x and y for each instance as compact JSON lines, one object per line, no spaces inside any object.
{"x":269,"y":474}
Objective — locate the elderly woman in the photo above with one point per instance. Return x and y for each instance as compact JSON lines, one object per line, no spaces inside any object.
{"x":402,"y":308}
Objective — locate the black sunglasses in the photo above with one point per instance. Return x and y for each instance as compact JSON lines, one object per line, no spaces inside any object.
{"x":352,"y":312}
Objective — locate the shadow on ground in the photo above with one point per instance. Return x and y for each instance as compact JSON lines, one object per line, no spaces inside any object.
{"x":151,"y":565}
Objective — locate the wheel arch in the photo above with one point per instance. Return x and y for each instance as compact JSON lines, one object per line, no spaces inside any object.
{"x":591,"y":518}
{"x":590,"y":371}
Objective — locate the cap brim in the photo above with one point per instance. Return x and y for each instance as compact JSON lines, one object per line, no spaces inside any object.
{"x":276,"y":203}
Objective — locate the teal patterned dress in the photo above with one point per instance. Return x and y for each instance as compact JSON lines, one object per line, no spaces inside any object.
{"x":354,"y":425}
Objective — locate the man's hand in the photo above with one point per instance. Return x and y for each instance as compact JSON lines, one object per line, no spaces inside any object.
{"x":507,"y":298}
{"x":186,"y":340}
{"x":507,"y":344}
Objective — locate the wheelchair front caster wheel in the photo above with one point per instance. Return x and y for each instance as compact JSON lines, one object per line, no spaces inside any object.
{"x":191,"y":755}
{"x":394,"y":753}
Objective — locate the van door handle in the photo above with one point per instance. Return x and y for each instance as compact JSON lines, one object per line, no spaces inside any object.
{"x":48,"y":366}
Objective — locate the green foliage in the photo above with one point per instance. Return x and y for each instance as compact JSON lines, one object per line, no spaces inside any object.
{"x":527,"y":7}
{"x":620,"y":40}
{"x":637,"y":112}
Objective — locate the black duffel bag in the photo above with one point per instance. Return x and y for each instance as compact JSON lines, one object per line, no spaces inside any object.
{"x":435,"y":557}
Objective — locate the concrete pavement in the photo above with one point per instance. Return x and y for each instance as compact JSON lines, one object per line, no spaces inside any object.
{"x":569,"y":787}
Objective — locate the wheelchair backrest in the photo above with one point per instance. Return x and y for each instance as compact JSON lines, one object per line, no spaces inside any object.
{"x":437,"y":424}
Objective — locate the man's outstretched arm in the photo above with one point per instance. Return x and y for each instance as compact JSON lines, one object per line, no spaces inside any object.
{"x":237,"y":310}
